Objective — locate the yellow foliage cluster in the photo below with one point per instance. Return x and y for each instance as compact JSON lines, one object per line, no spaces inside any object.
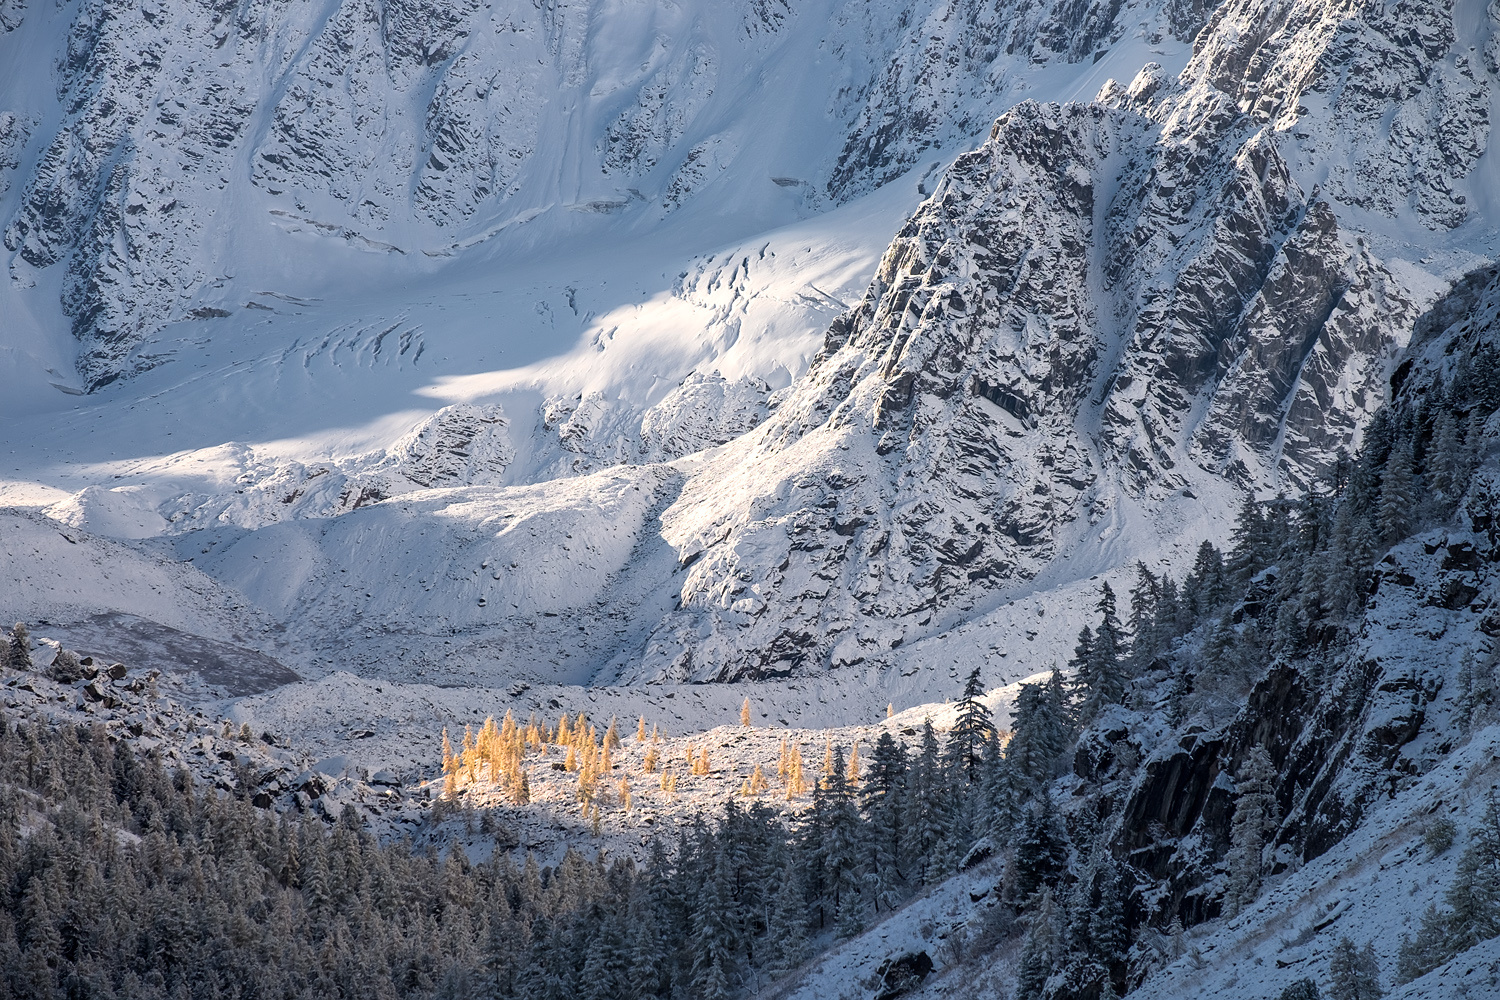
{"x":789,"y":770}
{"x":494,"y":754}
{"x":497,"y":754}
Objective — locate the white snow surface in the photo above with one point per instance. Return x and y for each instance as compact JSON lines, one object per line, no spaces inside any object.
{"x":467,"y":378}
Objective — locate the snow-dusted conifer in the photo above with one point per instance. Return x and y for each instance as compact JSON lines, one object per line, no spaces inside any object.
{"x":1302,"y":989}
{"x":882,"y":801}
{"x":786,"y":925}
{"x":1041,"y":850}
{"x":1354,"y":973}
{"x":971,"y":732}
{"x":19,"y":651}
{"x":1146,"y":638}
{"x":1043,"y":948}
{"x":1474,"y":896}
{"x":1398,"y":490}
{"x":1254,"y":819}
{"x":1102,"y":669}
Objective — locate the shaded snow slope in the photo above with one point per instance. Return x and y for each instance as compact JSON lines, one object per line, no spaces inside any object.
{"x":160,"y":164}
{"x":1163,"y":280}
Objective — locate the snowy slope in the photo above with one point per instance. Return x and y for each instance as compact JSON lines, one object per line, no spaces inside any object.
{"x":427,"y":302}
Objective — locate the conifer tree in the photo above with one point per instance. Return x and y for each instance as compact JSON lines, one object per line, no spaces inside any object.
{"x":19,"y":651}
{"x":928,"y":813}
{"x":882,"y":806}
{"x":1354,"y":973}
{"x":1043,"y":948}
{"x":1252,"y":550}
{"x":1254,"y":819}
{"x":972,"y":729}
{"x":840,"y":851}
{"x":640,"y":730}
{"x":1101,"y":669}
{"x":1041,"y":850}
{"x":714,"y":937}
{"x":1146,"y":638}
{"x":786,"y":929}
{"x":745,"y":713}
{"x":1397,"y":494}
{"x":1302,"y":989}
{"x":1205,"y":588}
{"x":1040,"y":730}
{"x":1474,"y":896}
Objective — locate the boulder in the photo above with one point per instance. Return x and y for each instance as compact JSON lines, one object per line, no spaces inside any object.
{"x":900,"y":976}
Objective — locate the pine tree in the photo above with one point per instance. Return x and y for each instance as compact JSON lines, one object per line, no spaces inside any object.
{"x":1205,"y":588}
{"x":1354,"y":973}
{"x":714,"y":938}
{"x":1040,"y":729}
{"x":1041,"y":851}
{"x":19,"y":652}
{"x":1429,"y":949}
{"x":882,"y":804}
{"x":786,"y":925}
{"x":972,"y":730}
{"x":1251,"y":551}
{"x":1254,"y":819}
{"x":1102,"y":671}
{"x":1146,"y":634}
{"x":840,"y":848}
{"x":1474,"y":896}
{"x":1042,"y":950}
{"x":1302,"y":989}
{"x":1397,"y":495}
{"x":1445,"y":460}
{"x":928,"y":813}
{"x":745,"y":713}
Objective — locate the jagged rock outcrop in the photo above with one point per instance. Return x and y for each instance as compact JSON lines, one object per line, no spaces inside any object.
{"x":1350,"y":726}
{"x":414,"y":129}
{"x":1099,"y":305}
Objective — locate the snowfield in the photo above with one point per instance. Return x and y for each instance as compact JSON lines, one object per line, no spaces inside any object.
{"x":372,"y":369}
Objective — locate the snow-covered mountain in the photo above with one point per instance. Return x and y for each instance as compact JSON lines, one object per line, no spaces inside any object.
{"x":494,"y":323}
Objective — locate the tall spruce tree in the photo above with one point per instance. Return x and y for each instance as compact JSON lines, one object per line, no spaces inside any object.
{"x":1043,"y":949}
{"x":1041,"y":851}
{"x":1254,"y":819}
{"x":18,"y":651}
{"x":1398,"y":494}
{"x":1102,"y":668}
{"x":1040,"y":729}
{"x":1354,"y":973}
{"x":971,"y":733}
{"x":1147,"y":637}
{"x":883,"y":805}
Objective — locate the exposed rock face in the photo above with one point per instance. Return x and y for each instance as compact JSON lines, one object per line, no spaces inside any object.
{"x":416,"y":127}
{"x":462,"y":445}
{"x":702,"y":412}
{"x":1381,"y":715}
{"x":1103,"y":302}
